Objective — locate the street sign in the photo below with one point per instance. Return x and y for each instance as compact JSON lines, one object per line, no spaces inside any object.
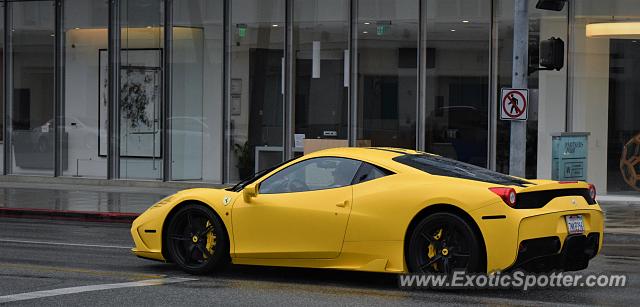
{"x":514,"y":104}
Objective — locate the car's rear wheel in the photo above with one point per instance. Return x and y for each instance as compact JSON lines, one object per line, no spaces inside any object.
{"x":196,"y":240}
{"x":442,"y":243}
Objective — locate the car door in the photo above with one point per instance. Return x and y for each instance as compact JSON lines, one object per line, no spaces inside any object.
{"x":299,"y":212}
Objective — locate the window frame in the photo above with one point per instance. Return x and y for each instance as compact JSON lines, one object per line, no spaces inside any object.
{"x":259,"y":184}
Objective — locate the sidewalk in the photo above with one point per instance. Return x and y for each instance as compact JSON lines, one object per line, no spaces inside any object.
{"x":123,"y":204}
{"x":85,"y":202}
{"x":622,"y":215}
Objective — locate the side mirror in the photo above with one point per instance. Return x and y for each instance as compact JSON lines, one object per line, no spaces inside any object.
{"x":250,"y":192}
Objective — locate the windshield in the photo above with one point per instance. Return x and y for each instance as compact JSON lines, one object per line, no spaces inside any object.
{"x":440,"y":166}
{"x":240,"y":185}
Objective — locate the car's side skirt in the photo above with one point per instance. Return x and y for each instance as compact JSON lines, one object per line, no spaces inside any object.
{"x":371,"y":256}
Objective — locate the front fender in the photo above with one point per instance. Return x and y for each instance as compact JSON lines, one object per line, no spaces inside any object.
{"x":147,"y":230}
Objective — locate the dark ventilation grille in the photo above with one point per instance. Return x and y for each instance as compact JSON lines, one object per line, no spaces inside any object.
{"x":538,"y":199}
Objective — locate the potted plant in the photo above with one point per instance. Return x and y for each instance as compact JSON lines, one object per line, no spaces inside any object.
{"x":244,"y":163}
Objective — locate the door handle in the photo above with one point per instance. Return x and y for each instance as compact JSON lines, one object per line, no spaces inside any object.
{"x":342,"y":204}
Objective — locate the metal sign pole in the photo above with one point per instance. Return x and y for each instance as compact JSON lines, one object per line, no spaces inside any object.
{"x":517,"y":151}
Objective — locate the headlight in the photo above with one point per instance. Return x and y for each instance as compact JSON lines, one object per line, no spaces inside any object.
{"x":163,"y":201}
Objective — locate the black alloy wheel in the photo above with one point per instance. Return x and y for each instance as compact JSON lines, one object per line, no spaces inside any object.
{"x":196,"y":240}
{"x":443,"y":243}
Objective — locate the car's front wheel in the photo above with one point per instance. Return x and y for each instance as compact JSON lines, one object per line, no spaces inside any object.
{"x":196,"y":240}
{"x":442,"y":243}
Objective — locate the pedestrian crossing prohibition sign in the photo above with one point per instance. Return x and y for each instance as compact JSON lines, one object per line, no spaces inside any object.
{"x":514,"y":103}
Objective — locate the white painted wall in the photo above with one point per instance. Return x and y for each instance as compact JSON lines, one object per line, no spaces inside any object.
{"x":590,"y":78}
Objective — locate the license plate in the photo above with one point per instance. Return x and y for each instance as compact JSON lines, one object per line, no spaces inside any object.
{"x":575,"y":223}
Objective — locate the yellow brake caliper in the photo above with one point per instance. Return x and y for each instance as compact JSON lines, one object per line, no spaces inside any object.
{"x":211,"y":241}
{"x":432,"y":249}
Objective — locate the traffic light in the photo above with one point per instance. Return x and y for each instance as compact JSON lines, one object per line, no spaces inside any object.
{"x":547,"y":55}
{"x":551,"y":5}
{"x":552,"y":53}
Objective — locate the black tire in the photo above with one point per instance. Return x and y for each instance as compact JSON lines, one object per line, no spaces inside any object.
{"x":442,"y":243}
{"x":188,"y":237}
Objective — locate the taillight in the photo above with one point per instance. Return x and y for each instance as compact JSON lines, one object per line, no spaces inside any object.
{"x":508,"y":195}
{"x":592,"y":191}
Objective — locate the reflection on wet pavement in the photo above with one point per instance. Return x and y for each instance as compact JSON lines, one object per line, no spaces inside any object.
{"x":79,"y":200}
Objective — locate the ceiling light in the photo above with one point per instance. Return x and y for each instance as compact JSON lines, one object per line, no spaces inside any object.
{"x":148,"y":27}
{"x":364,"y":32}
{"x":367,"y":23}
{"x":610,"y":29}
{"x":465,"y":21}
{"x":452,"y":30}
{"x":274,"y":26}
{"x":77,"y":28}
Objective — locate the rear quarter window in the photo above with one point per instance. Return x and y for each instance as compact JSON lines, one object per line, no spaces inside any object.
{"x":368,"y":172}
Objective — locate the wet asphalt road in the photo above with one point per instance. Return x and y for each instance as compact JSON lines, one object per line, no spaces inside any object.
{"x":38,"y":255}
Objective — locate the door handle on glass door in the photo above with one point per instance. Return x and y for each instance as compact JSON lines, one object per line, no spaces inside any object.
{"x":342,"y":204}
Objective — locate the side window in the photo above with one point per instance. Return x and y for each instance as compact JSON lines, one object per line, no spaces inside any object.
{"x":369,"y":172}
{"x":310,"y":175}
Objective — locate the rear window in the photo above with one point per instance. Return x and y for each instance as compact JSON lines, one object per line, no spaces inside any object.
{"x":440,"y":166}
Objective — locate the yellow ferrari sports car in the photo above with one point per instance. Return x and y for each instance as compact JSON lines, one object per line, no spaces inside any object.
{"x":377,"y":209}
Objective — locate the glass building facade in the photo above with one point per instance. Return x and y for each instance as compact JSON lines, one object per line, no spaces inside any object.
{"x":215,"y":90}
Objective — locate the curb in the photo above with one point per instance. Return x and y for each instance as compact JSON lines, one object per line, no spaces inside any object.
{"x":86,"y":216}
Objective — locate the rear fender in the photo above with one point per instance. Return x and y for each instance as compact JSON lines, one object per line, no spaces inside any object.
{"x":503,"y":227}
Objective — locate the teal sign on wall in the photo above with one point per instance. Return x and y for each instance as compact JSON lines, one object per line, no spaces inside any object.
{"x":569,"y":155}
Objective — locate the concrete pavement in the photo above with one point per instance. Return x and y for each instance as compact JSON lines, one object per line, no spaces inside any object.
{"x":86,"y":263}
{"x":50,"y":255}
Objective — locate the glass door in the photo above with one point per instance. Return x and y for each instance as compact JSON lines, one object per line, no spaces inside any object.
{"x":32,"y":55}
{"x":85,"y":119}
{"x":196,"y":81}
{"x":457,"y":79}
{"x":141,"y":89}
{"x":320,"y":48}
{"x":387,"y":34}
{"x":256,"y":94}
